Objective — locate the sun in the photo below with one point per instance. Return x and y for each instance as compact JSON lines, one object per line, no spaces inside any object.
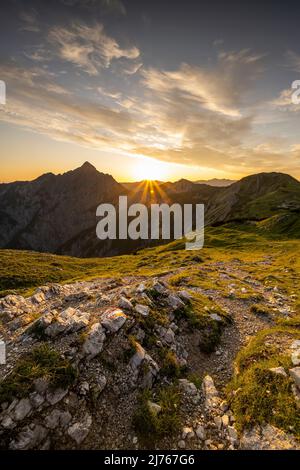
{"x":149,"y":169}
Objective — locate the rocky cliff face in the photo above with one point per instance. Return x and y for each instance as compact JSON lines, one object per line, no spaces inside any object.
{"x":55,"y":213}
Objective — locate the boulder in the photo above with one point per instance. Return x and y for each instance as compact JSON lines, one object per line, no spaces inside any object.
{"x":188,"y":433}
{"x":57,"y":418}
{"x":154,"y":408}
{"x":159,"y":288}
{"x":184,"y":295}
{"x":36,"y":399}
{"x":278,"y":371}
{"x":94,"y":341}
{"x":79,"y":430}
{"x":29,"y":438}
{"x":125,"y":303}
{"x":56,"y":396}
{"x":216,"y":317}
{"x":113,"y":319}
{"x":295,"y":358}
{"x":99,"y":385}
{"x":210,"y":392}
{"x":200,"y":432}
{"x":175,"y":302}
{"x":137,"y":358}
{"x":189,"y":388}
{"x":143,"y":310}
{"x":22,"y":409}
{"x":68,"y":321}
{"x":38,"y":298}
{"x":150,"y":375}
{"x":169,"y":336}
{"x":141,"y":288}
{"x":295,"y":375}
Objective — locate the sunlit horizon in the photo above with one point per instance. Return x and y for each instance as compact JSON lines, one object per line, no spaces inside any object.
{"x":112,"y":88}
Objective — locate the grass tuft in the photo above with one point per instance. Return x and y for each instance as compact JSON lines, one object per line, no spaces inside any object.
{"x":42,"y":362}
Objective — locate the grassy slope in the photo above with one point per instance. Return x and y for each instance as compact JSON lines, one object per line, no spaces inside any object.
{"x":22,"y":271}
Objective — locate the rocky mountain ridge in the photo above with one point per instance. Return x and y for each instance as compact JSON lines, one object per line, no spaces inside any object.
{"x":57,"y":213}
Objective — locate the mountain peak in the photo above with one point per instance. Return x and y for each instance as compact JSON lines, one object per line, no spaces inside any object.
{"x":87,"y":166}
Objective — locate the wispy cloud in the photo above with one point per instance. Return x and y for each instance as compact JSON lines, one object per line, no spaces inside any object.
{"x":88,"y":47}
{"x":191,"y":115}
{"x":293,"y":61}
{"x":29,"y":19}
{"x":284,"y":101}
{"x":220,"y":89}
{"x":112,"y":6}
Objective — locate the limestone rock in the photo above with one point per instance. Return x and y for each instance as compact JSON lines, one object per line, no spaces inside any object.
{"x":113,"y":319}
{"x":200,"y":432}
{"x":295,"y":375}
{"x":99,"y":384}
{"x":36,"y":399}
{"x":143,"y":310}
{"x":184,"y":295}
{"x":94,"y":341}
{"x":181,"y":444}
{"x":278,"y":370}
{"x":79,"y":430}
{"x":56,"y":396}
{"x":150,"y":373}
{"x":267,"y":438}
{"x":188,"y":433}
{"x":22,"y":409}
{"x":154,"y":408}
{"x":159,"y":288}
{"x":137,"y":358}
{"x":175,"y":302}
{"x":68,"y":321}
{"x":141,"y":288}
{"x":188,"y":387}
{"x":57,"y":418}
{"x":169,"y":336}
{"x":210,"y":392}
{"x":125,"y":303}
{"x":29,"y":438}
{"x":216,"y":317}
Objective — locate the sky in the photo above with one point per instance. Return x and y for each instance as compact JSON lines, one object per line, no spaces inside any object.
{"x":149,"y":89}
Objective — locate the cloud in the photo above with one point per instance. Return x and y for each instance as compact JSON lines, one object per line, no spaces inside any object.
{"x":293,"y":60}
{"x":40,"y":104}
{"x":221,"y":89}
{"x":112,"y":6}
{"x":29,"y":20}
{"x":115,"y":6}
{"x":284,"y":102}
{"x":37,"y":53}
{"x":187,"y":116}
{"x":133,"y":68}
{"x":88,"y":47}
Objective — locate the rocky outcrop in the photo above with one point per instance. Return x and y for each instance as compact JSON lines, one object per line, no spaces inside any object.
{"x":118,"y":342}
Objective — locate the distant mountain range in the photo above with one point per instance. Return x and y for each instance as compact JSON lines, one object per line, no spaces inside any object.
{"x":184,"y":183}
{"x":217,"y":182}
{"x":57,"y":213}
